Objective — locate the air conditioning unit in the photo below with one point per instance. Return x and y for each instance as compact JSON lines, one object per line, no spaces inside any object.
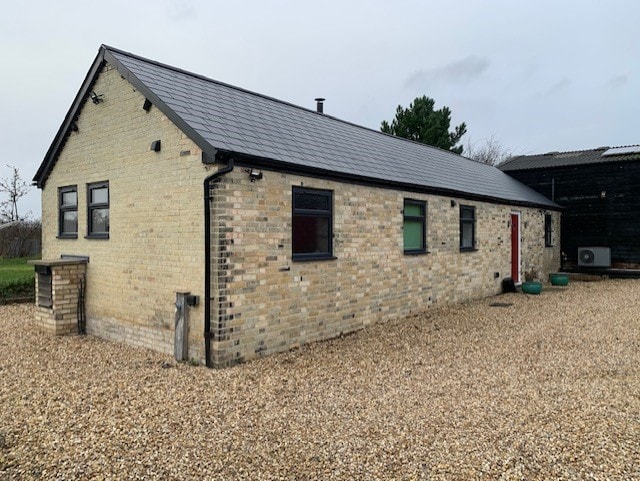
{"x":594,"y":256}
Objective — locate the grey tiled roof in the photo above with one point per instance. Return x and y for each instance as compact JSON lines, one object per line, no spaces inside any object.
{"x":222,"y":117}
{"x":565,"y":159}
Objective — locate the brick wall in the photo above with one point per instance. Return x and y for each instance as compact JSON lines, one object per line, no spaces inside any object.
{"x":156,"y":239}
{"x":64,"y":278}
{"x":272,"y":303}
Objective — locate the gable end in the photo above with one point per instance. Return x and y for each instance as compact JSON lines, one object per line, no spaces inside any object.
{"x":106,"y":57}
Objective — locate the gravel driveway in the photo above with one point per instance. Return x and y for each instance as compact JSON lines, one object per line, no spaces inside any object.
{"x":547,"y":388}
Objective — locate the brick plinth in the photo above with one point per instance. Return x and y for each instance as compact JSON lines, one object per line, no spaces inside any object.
{"x":66,"y":276}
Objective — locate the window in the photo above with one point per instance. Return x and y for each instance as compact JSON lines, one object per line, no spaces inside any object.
{"x":98,"y":210}
{"x":312,"y":224}
{"x":547,"y":230}
{"x":414,"y":227}
{"x":467,"y":228}
{"x":68,"y":212}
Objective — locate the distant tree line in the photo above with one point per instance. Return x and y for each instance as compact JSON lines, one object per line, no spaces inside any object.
{"x":20,"y":239}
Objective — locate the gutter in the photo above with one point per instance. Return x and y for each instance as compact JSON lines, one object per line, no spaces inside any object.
{"x":247,"y":160}
{"x":207,"y":257}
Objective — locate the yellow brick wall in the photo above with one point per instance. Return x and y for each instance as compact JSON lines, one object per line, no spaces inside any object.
{"x":274,"y":303}
{"x":155,"y":244}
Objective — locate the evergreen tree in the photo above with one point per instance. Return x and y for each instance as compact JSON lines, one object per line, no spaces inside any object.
{"x":420,"y":122}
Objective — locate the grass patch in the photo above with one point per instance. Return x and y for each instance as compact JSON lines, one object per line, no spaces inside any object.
{"x":16,"y":279}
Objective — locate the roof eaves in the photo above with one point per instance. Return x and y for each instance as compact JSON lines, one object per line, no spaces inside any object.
{"x":291,"y":168}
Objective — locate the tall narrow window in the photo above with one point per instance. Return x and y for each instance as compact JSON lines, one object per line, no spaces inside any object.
{"x":98,"y":210}
{"x":45,"y":289}
{"x":467,"y":228}
{"x":414,"y":227}
{"x":547,"y":230}
{"x":68,"y":212}
{"x":312,"y":224}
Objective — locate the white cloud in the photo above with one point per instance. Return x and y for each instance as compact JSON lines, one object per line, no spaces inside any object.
{"x":182,"y":11}
{"x":460,"y":72}
{"x":617,"y":81}
{"x":559,"y":87}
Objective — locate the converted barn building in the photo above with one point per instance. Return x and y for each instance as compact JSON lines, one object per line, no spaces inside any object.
{"x":194,"y":217}
{"x":600,"y":192}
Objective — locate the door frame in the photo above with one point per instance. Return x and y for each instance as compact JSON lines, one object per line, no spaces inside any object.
{"x":518,"y":256}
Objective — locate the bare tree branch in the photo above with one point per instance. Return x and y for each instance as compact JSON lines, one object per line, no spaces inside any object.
{"x":488,"y":151}
{"x":15,"y":188}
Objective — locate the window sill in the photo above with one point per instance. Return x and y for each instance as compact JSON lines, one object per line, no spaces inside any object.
{"x":416,"y":253}
{"x":468,"y":249}
{"x":312,"y":258}
{"x":67,"y":236}
{"x":548,"y":245}
{"x":97,"y":236}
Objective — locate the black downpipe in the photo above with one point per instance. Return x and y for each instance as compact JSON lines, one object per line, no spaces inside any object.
{"x":82,"y":316}
{"x":207,"y":257}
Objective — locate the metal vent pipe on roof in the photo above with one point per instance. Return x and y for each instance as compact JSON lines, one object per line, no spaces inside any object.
{"x":320,"y":104}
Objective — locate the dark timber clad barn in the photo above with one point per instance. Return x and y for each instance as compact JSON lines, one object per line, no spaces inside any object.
{"x":600,"y":191}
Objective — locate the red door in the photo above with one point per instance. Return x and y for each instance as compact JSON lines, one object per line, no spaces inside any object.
{"x":515,"y":247}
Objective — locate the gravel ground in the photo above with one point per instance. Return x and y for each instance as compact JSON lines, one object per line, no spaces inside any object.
{"x":547,"y":388}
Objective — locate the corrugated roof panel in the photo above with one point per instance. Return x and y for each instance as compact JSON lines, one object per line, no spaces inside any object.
{"x":565,"y":159}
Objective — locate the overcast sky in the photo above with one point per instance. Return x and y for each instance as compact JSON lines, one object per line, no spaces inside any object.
{"x":537,"y":75}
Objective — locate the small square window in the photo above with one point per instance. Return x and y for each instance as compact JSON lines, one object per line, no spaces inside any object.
{"x":467,"y":228}
{"x":68,"y":212}
{"x":98,"y":210}
{"x":414,"y":226}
